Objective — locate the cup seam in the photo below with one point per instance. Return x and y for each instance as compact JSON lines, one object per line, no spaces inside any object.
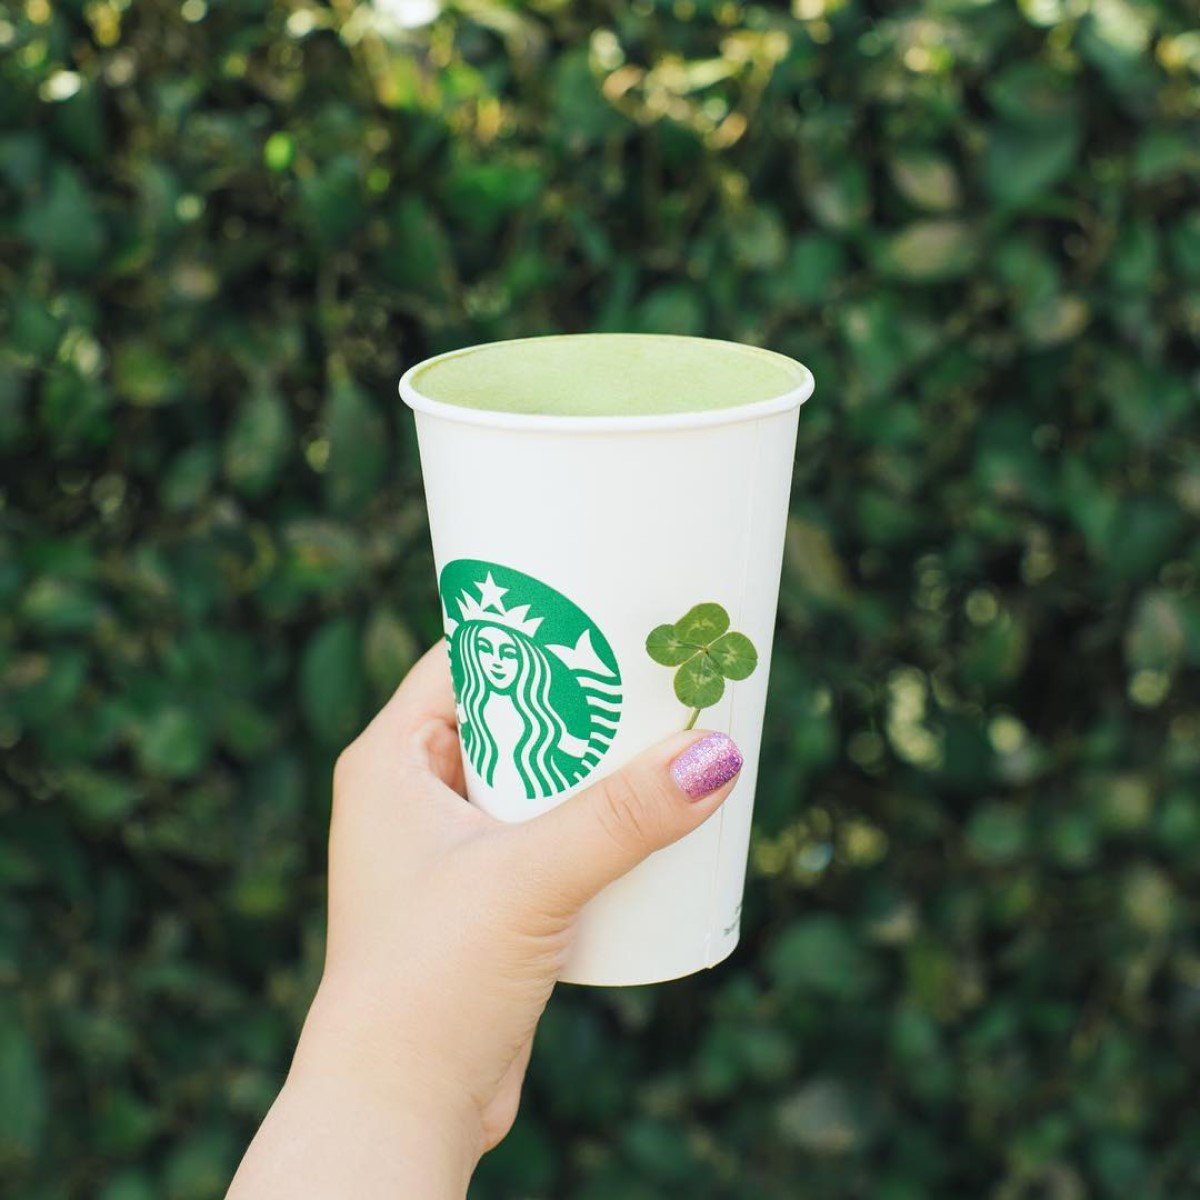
{"x":714,"y":882}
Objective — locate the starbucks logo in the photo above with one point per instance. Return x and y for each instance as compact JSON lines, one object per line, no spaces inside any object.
{"x":536,"y":683}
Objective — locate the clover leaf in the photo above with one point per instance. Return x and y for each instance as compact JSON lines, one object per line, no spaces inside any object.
{"x":698,"y":683}
{"x":665,"y":646}
{"x":702,"y":624}
{"x":734,"y":655}
{"x":706,"y":652}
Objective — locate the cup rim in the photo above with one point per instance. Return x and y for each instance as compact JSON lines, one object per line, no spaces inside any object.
{"x":565,"y":423}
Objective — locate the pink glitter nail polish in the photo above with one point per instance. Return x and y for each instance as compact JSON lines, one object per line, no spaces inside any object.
{"x":707,"y":764}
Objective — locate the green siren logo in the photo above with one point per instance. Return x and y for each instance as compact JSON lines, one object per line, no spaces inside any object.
{"x":537,"y":686}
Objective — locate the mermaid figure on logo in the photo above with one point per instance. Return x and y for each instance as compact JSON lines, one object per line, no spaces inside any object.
{"x":516,"y":696}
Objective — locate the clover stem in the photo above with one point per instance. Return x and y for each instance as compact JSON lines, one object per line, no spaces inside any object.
{"x":692,"y":719}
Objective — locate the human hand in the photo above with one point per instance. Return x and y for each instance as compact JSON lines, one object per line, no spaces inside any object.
{"x":447,"y":931}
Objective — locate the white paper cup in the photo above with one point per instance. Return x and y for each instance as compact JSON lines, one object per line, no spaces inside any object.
{"x":560,"y":542}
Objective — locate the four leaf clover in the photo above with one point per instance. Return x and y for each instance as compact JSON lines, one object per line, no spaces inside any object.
{"x":706,"y":652}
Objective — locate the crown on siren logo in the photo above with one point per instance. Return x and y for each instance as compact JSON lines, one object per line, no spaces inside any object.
{"x":490,"y":607}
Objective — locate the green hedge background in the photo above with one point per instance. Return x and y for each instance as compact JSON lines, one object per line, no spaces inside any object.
{"x":970,"y":964}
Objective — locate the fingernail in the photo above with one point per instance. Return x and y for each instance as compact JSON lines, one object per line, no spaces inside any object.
{"x":706,"y":765}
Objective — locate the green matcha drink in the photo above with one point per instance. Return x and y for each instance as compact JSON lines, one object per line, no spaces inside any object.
{"x":608,"y":375}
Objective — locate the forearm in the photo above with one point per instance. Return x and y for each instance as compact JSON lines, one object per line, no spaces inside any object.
{"x":338,"y":1130}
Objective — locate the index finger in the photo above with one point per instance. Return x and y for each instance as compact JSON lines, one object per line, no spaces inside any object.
{"x":423,"y":704}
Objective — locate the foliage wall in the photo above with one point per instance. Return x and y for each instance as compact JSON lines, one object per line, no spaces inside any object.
{"x":970,"y":964}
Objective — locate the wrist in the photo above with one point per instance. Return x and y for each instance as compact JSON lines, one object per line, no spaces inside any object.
{"x":345,"y":1057}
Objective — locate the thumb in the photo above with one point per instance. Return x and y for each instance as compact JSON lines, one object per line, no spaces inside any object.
{"x":598,"y":835}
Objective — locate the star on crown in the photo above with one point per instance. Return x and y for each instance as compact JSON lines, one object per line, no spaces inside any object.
{"x":490,"y":607}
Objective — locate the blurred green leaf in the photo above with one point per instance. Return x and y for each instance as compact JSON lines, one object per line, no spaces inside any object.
{"x":926,"y":180}
{"x":279,"y":151}
{"x":172,"y":742}
{"x":813,"y":562}
{"x":1034,"y":94}
{"x":321,"y":556}
{"x":13,"y":418}
{"x":672,"y":309}
{"x":822,"y":1118}
{"x":65,"y":224}
{"x":996,"y":833}
{"x":73,"y":411}
{"x":482,"y":193}
{"x":258,"y":442}
{"x":820,"y":955}
{"x":1021,"y":166}
{"x":23,"y":1108}
{"x":1185,"y":244}
{"x":1156,"y":635}
{"x":757,"y":237}
{"x":60,"y":605}
{"x":1136,"y":257}
{"x":332,"y":200}
{"x":931,"y":250}
{"x":32,"y":328}
{"x":129,"y":1185}
{"x":331,"y":682}
{"x":419,"y":254}
{"x":105,"y":799}
{"x":127,"y":1124}
{"x":357,"y":448}
{"x":1162,"y":152}
{"x":389,"y":650}
{"x":200,"y":1165}
{"x":840,"y":199}
{"x":815,"y":264}
{"x":144,"y":376}
{"x":190,"y":477}
{"x":78,"y":122}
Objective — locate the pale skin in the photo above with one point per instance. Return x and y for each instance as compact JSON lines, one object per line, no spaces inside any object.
{"x":447,"y":932}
